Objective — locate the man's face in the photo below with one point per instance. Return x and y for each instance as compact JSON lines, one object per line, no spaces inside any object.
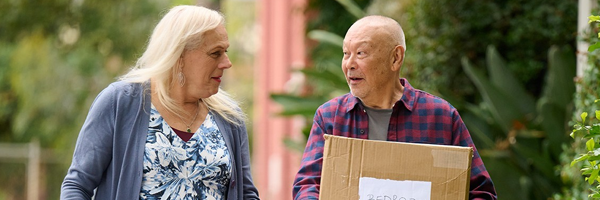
{"x":367,"y":60}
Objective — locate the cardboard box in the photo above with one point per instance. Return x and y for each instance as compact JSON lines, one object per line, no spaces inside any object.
{"x":382,"y":170}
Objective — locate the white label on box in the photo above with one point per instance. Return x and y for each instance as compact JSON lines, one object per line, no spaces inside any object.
{"x":385,"y":189}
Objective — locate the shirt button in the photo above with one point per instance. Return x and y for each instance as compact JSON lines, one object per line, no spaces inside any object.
{"x":362,"y":131}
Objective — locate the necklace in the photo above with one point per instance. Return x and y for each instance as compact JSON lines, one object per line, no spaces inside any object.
{"x":192,"y":122}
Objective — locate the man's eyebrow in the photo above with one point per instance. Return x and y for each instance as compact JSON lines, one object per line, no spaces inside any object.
{"x":359,"y":43}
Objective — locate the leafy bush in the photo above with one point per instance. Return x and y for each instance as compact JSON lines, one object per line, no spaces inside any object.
{"x":440,"y":32}
{"x":591,"y":159}
{"x":585,"y":136}
{"x":519,"y":137}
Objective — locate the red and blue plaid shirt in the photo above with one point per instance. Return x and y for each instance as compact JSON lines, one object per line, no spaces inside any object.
{"x":417,"y":117}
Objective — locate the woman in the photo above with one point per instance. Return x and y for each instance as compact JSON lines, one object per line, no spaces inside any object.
{"x":166,"y":130}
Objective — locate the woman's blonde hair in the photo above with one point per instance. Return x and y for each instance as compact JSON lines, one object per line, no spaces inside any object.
{"x":180,"y":30}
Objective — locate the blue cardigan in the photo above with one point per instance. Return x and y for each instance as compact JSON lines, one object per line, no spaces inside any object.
{"x":109,"y":152}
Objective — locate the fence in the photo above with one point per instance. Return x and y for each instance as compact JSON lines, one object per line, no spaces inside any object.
{"x":12,"y":152}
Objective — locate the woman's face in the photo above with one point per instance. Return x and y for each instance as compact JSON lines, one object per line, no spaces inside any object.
{"x":203,"y":66}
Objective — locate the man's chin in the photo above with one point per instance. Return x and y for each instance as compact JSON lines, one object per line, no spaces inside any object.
{"x":357,"y":94}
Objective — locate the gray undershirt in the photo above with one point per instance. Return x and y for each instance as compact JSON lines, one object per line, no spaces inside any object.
{"x":379,"y":121}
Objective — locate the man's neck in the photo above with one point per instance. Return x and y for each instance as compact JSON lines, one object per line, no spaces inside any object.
{"x":384,"y":100}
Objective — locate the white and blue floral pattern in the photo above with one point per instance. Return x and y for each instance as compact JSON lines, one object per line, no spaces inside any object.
{"x":175,"y":169}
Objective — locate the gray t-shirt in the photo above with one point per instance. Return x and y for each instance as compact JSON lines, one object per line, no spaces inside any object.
{"x":379,"y":120}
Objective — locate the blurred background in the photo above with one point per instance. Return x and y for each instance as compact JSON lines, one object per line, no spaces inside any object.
{"x":517,"y":70}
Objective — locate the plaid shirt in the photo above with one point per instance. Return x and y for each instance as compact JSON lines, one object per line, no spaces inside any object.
{"x":417,"y":117}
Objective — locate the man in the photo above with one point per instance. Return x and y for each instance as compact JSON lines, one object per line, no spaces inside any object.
{"x":383,"y":106}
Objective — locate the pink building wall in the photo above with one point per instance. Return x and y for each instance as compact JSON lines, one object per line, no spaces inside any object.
{"x":282,"y":47}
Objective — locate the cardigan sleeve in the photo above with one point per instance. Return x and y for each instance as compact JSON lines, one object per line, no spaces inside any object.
{"x":93,"y":149}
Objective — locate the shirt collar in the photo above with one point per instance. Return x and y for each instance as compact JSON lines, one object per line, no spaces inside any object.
{"x":408,"y":98}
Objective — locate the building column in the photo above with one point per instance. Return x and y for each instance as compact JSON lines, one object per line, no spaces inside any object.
{"x":282,"y":48}
{"x":584,"y":11}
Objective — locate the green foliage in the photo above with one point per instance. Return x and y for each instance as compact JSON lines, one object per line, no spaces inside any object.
{"x":591,"y":158}
{"x":439,"y":32}
{"x":575,"y":156}
{"x":594,"y":18}
{"x":333,"y":16}
{"x":351,"y":7}
{"x":520,"y":137}
{"x":52,"y":60}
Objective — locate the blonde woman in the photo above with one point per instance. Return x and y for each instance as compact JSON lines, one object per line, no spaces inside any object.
{"x":166,"y":130}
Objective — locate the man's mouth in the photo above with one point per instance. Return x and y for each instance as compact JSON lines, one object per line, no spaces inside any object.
{"x":217,"y":78}
{"x":355,"y":79}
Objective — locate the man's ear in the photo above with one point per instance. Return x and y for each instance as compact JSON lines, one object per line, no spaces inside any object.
{"x":398,"y":55}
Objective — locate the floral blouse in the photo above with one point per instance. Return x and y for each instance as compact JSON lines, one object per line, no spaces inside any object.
{"x":174,"y":169}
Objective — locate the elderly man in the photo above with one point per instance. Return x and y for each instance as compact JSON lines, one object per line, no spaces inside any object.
{"x":383,"y":106}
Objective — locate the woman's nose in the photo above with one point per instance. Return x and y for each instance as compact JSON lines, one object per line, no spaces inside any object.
{"x":226,"y":63}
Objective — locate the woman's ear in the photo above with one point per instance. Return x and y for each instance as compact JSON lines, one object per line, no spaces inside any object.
{"x":398,"y":55}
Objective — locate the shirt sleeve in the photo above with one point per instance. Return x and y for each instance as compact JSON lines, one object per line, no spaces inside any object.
{"x":481,"y":186}
{"x":308,"y":178}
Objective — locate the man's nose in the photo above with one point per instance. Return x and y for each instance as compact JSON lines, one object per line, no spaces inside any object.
{"x":351,"y":62}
